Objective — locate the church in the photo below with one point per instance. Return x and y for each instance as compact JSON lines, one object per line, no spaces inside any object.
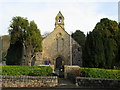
{"x":59,"y":48}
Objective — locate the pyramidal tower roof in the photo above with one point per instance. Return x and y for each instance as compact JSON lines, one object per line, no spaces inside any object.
{"x":59,"y":14}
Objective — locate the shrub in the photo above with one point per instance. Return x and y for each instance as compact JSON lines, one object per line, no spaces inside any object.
{"x":100,"y":73}
{"x":26,"y":70}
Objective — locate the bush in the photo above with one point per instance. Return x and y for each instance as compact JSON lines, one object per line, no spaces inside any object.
{"x":100,"y":73}
{"x":26,"y":70}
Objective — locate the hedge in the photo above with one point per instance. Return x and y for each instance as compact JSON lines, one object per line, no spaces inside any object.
{"x":26,"y":70}
{"x":100,"y":73}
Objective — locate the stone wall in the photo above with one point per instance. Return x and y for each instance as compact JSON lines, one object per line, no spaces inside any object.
{"x":29,"y":81}
{"x":76,"y":53}
{"x":97,"y":82}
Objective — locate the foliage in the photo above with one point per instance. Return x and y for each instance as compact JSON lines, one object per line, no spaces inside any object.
{"x":100,"y":73}
{"x":26,"y":35}
{"x":93,"y":51}
{"x":14,"y":54}
{"x":79,"y":36}
{"x":117,"y":39}
{"x":101,"y":46}
{"x":26,"y":70}
{"x":33,"y":37}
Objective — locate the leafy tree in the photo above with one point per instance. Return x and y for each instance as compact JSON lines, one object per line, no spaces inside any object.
{"x":87,"y":53}
{"x":26,"y":35}
{"x":93,"y":54}
{"x":109,"y":29}
{"x":117,"y":39}
{"x":79,"y":36}
{"x":14,"y":54}
{"x":101,"y":46}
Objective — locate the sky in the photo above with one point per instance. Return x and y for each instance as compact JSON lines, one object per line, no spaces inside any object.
{"x":79,"y":14}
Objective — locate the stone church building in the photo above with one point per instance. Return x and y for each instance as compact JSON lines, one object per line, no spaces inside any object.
{"x":59,"y":48}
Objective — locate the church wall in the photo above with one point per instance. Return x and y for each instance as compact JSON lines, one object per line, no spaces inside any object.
{"x":60,"y":44}
{"x":50,"y":49}
{"x":76,"y":53}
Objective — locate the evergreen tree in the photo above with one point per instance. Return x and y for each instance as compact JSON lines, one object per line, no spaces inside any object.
{"x":79,"y":36}
{"x":117,"y":39}
{"x":27,"y":36}
{"x":101,"y":46}
{"x":14,"y":54}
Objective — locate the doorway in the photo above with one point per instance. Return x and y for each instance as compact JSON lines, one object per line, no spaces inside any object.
{"x":59,"y":68}
{"x":58,"y":62}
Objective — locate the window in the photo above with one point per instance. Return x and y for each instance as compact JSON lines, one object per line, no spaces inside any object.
{"x":63,"y":43}
{"x":57,"y":44}
{"x":59,"y":20}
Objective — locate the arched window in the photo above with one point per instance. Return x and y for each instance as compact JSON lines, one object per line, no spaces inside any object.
{"x":57,"y":44}
{"x":63,"y":43}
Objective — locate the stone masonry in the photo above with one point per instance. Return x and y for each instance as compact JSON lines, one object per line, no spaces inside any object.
{"x":97,"y":82}
{"x":60,"y":44}
{"x":29,"y":81}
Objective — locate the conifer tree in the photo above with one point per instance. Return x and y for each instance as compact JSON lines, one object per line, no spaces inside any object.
{"x":101,"y":46}
{"x":26,"y":35}
{"x":79,"y":36}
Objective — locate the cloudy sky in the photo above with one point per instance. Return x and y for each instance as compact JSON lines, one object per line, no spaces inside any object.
{"x":78,"y":14}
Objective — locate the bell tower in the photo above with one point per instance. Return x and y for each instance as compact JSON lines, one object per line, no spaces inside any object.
{"x":59,"y":20}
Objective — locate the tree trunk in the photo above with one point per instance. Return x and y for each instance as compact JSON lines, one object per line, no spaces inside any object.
{"x":27,"y":55}
{"x":23,"y":55}
{"x":28,"y":58}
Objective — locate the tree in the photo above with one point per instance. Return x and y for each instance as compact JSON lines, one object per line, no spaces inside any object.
{"x":109,"y":29}
{"x":79,"y":36}
{"x":87,"y":52}
{"x":93,"y":53}
{"x":14,"y":54}
{"x":101,"y":46}
{"x":117,"y":39}
{"x":29,"y":38}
